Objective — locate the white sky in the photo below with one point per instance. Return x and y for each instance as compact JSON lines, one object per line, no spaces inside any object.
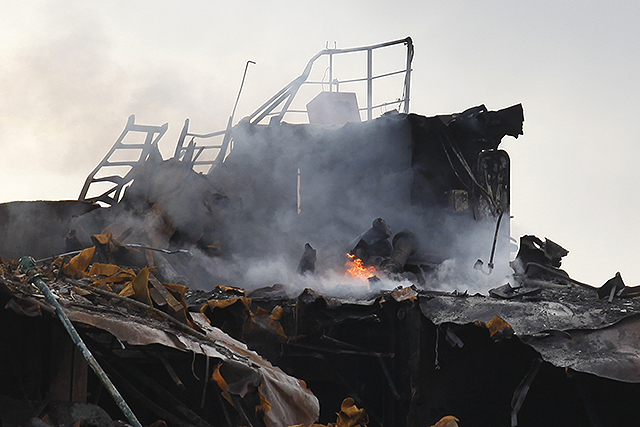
{"x":71,"y":72}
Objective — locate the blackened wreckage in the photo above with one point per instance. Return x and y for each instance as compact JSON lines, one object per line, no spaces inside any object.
{"x":172,"y":278}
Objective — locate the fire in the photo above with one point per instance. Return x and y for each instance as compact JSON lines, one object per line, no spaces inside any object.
{"x":357,"y":269}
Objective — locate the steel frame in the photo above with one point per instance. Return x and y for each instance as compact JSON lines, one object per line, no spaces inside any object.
{"x":280,"y":104}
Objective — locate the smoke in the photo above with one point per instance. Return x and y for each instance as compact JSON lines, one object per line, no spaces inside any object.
{"x":65,"y":93}
{"x":284,"y":186}
{"x":347,"y":177}
{"x":53,"y":91}
{"x":253,"y":273}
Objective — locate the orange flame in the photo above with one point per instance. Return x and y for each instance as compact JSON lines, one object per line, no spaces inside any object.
{"x":357,"y":269}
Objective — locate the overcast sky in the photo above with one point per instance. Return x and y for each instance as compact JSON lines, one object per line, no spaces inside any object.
{"x":71,"y":72}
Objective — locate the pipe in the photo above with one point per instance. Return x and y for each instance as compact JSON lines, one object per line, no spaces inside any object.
{"x":129,"y":245}
{"x":495,"y":240}
{"x":478,"y":264}
{"x":28,"y":265}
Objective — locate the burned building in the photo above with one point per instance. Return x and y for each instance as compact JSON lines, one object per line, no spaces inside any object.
{"x":216,"y":291}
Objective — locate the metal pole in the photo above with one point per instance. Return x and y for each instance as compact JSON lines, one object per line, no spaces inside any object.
{"x":331,"y":72}
{"x":227,"y":134}
{"x":28,"y":265}
{"x":246,"y":66}
{"x":299,"y":199}
{"x":407,"y":76}
{"x":369,"y":84}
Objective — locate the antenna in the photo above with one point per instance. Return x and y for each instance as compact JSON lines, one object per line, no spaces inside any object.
{"x":240,"y":90}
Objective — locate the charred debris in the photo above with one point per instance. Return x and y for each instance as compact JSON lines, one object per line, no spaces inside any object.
{"x":309,"y":273}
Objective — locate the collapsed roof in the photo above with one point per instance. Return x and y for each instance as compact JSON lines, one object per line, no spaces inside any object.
{"x":541,"y":316}
{"x":158,"y":338}
{"x":153,"y":278}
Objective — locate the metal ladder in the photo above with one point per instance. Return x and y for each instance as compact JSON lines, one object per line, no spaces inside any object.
{"x":147,"y":149}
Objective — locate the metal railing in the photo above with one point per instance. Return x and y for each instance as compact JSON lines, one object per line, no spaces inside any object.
{"x":279,"y":104}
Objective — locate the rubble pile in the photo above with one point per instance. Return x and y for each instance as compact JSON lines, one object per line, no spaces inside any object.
{"x":411,"y":355}
{"x":168,"y":207}
{"x":157,"y":293}
{"x":170,"y":364}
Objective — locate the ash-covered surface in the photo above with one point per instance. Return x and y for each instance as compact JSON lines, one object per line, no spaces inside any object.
{"x":553,"y":309}
{"x":411,"y":355}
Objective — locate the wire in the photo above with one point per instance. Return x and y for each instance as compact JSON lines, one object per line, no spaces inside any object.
{"x":322,"y":79}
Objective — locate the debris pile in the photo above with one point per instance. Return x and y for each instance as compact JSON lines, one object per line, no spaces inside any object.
{"x":190,"y":293}
{"x":169,"y":364}
{"x":411,"y":355}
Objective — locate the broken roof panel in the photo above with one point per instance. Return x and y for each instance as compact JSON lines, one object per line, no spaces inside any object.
{"x":570,"y":328}
{"x":291,"y":402}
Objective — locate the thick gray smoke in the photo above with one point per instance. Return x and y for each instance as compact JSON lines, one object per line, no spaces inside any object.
{"x":347,"y":177}
{"x":284,"y":186}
